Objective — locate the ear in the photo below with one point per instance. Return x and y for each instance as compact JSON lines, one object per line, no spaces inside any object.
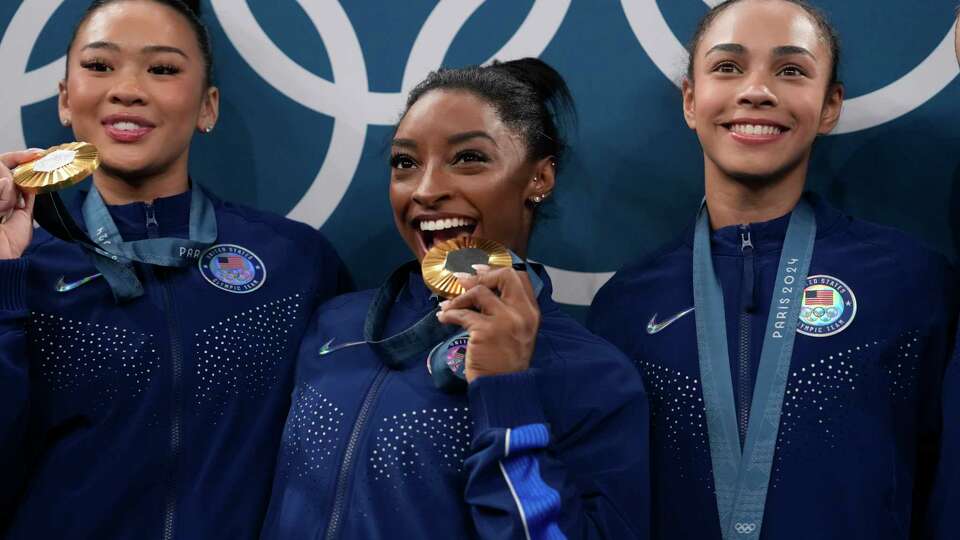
{"x":63,"y":103}
{"x":209,"y":109}
{"x":689,"y":104}
{"x":543,"y":180}
{"x":832,"y":107}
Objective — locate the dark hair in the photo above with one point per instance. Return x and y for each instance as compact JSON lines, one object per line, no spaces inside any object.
{"x":190,"y":10}
{"x":528,"y":95}
{"x":827,"y":33}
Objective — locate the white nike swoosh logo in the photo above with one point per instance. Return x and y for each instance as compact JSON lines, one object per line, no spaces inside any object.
{"x":327,"y":349}
{"x":653,"y":326}
{"x":62,"y":286}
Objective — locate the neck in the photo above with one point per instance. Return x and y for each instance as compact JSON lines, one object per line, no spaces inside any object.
{"x":734,"y":202}
{"x":117,"y":190}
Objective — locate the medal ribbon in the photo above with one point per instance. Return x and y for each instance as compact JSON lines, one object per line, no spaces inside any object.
{"x":741,"y":479}
{"x":113,"y":257}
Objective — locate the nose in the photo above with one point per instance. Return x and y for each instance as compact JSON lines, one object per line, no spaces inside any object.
{"x":128,"y":91}
{"x":757,"y":93}
{"x":433,"y":187}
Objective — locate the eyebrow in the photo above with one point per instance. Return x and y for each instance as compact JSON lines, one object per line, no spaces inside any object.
{"x":466,"y":136}
{"x":783,"y":50}
{"x":149,"y":49}
{"x":453,"y":139}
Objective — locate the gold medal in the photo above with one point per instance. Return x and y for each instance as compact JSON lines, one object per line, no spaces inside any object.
{"x":459,"y":255}
{"x":58,"y":168}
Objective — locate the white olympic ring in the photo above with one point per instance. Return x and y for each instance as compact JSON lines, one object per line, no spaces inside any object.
{"x":912,"y":90}
{"x":745,"y":528}
{"x":354,"y":107}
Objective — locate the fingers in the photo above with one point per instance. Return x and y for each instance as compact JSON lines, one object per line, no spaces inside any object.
{"x":10,"y":160}
{"x":465,"y":318}
{"x":475,"y":297}
{"x":9,"y":195}
{"x":514,"y":286}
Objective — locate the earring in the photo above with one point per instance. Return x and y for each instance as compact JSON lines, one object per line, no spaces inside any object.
{"x":208,"y":129}
{"x":537,"y":199}
{"x":65,"y":122}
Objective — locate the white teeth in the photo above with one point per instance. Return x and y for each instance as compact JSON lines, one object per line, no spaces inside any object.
{"x":755,"y":129}
{"x":441,"y":224}
{"x":126,"y":126}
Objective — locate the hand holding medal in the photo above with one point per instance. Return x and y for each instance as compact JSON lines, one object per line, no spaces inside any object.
{"x":490,"y":299}
{"x":36,"y":171}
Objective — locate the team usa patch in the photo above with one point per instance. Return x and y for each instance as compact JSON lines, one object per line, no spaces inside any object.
{"x":828,"y":308}
{"x":232,"y":268}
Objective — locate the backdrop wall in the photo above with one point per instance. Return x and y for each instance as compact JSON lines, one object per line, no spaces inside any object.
{"x":311,"y":89}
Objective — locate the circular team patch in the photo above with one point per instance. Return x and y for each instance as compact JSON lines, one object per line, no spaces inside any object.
{"x":232,"y":268}
{"x":828,"y":308}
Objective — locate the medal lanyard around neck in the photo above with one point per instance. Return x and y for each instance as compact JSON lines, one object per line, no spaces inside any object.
{"x":113,"y":257}
{"x":740,"y":478}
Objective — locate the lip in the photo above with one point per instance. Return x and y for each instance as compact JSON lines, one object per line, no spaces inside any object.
{"x":123,"y":135}
{"x":414,"y":223}
{"x":755,"y":139}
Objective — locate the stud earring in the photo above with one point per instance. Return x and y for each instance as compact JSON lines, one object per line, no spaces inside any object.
{"x":65,"y":122}
{"x":537,"y":199}
{"x":208,"y":129}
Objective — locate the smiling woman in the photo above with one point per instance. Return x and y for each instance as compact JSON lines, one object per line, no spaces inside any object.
{"x":782,"y":406}
{"x":545,"y":434}
{"x":145,"y":376}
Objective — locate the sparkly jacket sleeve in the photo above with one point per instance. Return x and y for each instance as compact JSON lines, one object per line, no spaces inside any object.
{"x":14,"y":384}
{"x":561,"y":450}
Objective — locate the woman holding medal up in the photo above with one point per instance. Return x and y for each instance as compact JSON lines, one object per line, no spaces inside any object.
{"x":145,"y":377}
{"x":525,"y":426}
{"x":814,"y":342}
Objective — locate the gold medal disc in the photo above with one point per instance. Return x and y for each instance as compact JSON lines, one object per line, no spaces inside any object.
{"x":58,"y":168}
{"x":459,"y":255}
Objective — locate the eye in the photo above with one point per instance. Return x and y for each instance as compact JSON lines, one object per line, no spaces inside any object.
{"x":164,"y":69}
{"x":792,"y":71}
{"x":726,"y":67}
{"x":96,"y":65}
{"x":402,"y":161}
{"x":470,"y":156}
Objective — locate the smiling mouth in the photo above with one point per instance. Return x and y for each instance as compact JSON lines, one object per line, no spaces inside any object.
{"x":756,"y":131}
{"x":434,"y":231}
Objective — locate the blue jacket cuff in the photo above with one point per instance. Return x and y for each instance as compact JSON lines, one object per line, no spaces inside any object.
{"x":505,"y":401}
{"x":13,"y":284}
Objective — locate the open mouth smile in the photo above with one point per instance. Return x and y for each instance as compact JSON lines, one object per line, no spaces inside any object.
{"x":435,"y":229}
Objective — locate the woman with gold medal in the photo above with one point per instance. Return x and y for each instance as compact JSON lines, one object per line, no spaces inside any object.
{"x":146,"y":367}
{"x":489,"y":414}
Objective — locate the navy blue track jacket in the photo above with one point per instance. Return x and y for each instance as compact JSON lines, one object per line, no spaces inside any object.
{"x":375,"y":452}
{"x":860,"y":425}
{"x":944,"y":518}
{"x":159,"y":417}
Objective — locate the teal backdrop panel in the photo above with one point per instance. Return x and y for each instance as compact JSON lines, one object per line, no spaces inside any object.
{"x":312,"y":88}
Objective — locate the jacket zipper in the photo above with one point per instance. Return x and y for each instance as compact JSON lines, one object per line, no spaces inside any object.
{"x":747,"y":287}
{"x":346,"y":465}
{"x":176,"y":358}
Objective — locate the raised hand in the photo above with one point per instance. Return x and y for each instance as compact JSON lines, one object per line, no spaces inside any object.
{"x":16,"y":207}
{"x":503,"y":328}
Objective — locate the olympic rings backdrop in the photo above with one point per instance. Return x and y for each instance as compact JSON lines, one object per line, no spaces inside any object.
{"x":311,"y":89}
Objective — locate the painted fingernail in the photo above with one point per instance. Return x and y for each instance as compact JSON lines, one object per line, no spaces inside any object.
{"x":444,"y":304}
{"x":462,"y":275}
{"x":481,"y":267}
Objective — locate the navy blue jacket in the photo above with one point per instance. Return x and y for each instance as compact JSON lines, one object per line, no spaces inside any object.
{"x":944,"y":518}
{"x":375,"y":452}
{"x":159,"y":417}
{"x":857,"y":440}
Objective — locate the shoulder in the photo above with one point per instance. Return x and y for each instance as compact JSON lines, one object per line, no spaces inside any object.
{"x":281,"y":228}
{"x":345,"y":310}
